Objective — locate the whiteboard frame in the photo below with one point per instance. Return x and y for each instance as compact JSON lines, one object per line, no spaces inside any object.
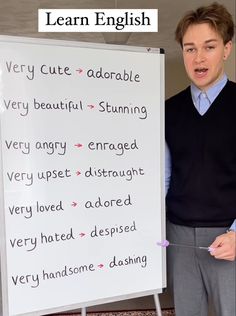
{"x":4,"y":304}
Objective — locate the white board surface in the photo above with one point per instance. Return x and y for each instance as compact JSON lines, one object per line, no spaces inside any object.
{"x":81,"y":173}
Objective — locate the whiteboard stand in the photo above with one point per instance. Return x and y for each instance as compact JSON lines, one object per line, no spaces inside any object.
{"x":157,"y":304}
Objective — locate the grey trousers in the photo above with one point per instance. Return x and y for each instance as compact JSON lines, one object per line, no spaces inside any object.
{"x":199,"y":280}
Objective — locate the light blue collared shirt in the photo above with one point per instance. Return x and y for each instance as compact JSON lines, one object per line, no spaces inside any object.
{"x":210,"y":95}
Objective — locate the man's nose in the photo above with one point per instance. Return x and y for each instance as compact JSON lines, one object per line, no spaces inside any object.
{"x":200,"y":56}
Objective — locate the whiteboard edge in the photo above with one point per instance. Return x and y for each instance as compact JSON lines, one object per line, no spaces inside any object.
{"x":162,"y":168}
{"x":57,"y":42}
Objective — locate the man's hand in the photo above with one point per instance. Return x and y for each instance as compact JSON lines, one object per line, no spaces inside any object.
{"x":224,"y":246}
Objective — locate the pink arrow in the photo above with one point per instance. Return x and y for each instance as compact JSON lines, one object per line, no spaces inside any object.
{"x":74,"y":204}
{"x":82,"y":234}
{"x":91,"y":106}
{"x":79,"y":70}
{"x":78,"y":145}
{"x":100,"y":265}
{"x":78,"y":173}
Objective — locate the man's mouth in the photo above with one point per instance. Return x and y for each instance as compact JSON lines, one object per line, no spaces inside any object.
{"x":200,"y":71}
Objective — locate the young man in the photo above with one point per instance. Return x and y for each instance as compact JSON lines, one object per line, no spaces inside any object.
{"x":201,"y":169}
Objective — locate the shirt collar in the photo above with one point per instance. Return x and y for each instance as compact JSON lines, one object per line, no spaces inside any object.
{"x":212,"y":92}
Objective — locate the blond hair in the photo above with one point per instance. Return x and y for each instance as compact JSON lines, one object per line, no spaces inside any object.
{"x":214,"y":14}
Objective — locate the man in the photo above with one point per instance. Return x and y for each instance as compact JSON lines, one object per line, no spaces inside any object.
{"x":201,"y":169}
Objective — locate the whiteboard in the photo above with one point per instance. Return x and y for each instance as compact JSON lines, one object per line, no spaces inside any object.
{"x":82,"y":180}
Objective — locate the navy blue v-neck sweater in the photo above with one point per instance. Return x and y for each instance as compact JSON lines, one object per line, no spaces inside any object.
{"x":202,"y":190}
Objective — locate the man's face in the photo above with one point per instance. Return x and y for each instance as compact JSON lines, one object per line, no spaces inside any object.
{"x":204,"y":54}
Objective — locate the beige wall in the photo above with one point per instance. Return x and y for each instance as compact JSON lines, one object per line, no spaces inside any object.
{"x":231,"y":65}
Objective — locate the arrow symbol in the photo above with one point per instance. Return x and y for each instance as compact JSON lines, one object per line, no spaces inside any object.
{"x":79,"y":70}
{"x":78,"y":145}
{"x":100,"y":265}
{"x":82,"y":234}
{"x":74,"y":204}
{"x":78,"y":173}
{"x":91,"y":106}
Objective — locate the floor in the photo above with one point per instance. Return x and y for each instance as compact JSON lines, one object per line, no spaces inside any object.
{"x":132,"y":313}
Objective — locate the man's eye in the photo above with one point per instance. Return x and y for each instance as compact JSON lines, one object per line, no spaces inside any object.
{"x":190,"y":50}
{"x":210,"y":47}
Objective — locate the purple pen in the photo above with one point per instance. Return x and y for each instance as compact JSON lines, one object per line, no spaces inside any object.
{"x":166,"y":243}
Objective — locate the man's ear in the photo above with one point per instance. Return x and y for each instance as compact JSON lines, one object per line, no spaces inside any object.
{"x":227,"y":49}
